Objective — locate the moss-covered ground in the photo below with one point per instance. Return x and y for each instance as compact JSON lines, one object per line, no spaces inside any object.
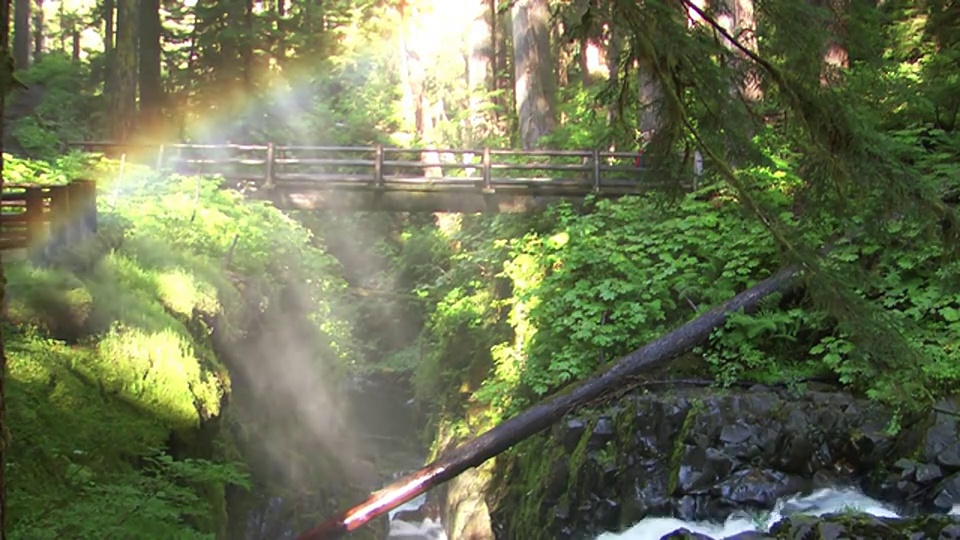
{"x":114,"y":390}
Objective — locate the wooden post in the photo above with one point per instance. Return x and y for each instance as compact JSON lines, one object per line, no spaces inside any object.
{"x":59,"y":212}
{"x":160,"y":153}
{"x":85,"y":211}
{"x":33,"y":216}
{"x":73,"y":220}
{"x":487,"y":180}
{"x":378,"y":166}
{"x":268,"y":180}
{"x":596,"y":171}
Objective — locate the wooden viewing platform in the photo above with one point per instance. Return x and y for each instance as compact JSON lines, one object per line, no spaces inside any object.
{"x":400,"y":179}
{"x":47,"y":218}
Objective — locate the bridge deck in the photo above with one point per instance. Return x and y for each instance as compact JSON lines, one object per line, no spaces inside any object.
{"x":399,"y":179}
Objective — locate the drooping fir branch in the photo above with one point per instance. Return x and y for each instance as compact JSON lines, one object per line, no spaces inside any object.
{"x":832,"y":138}
{"x":881,"y":346}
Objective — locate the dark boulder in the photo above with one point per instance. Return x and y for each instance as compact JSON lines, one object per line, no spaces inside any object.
{"x":684,"y":534}
{"x":603,"y":432}
{"x":749,"y":535}
{"x":942,"y":445}
{"x":758,"y":488}
{"x":571,"y":432}
{"x":947,"y":493}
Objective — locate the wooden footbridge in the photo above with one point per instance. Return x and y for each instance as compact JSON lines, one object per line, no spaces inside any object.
{"x":399,"y":179}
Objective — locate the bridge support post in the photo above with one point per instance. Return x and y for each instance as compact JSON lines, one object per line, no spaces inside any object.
{"x":378,"y":180}
{"x":378,"y":166}
{"x":487,"y":185}
{"x":33,"y":221}
{"x":86,"y":208}
{"x":59,"y":226}
{"x":596,"y":171}
{"x":160,"y":152}
{"x":489,"y":194}
{"x":268,"y":176}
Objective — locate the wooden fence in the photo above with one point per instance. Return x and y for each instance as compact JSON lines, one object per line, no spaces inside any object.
{"x":47,"y":218}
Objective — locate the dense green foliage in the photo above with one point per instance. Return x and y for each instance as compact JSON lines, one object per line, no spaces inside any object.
{"x":112,"y":361}
{"x":594,"y":287}
{"x":62,"y":107}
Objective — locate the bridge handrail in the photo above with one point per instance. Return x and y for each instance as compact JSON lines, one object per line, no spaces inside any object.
{"x":383,"y":164}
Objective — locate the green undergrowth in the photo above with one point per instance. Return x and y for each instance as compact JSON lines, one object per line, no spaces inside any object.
{"x":546,"y":309}
{"x":87,"y":457}
{"x":112,"y":363}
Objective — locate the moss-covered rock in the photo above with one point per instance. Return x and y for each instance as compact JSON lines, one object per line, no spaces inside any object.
{"x":854,"y":526}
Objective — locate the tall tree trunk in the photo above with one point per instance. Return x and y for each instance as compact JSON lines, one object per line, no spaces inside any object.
{"x":614,"y":50}
{"x":38,"y":31}
{"x":151,"y":89}
{"x":534,"y":71}
{"x":21,"y":34}
{"x":409,"y":99}
{"x":6,"y":80}
{"x":478,"y":55}
{"x":745,"y":24}
{"x":651,"y":103}
{"x":500,"y":54}
{"x":75,"y":42}
{"x":109,"y":48}
{"x":738,"y":19}
{"x":583,"y":61}
{"x":246,"y":47}
{"x":62,"y":23}
{"x":494,"y":42}
{"x":836,"y":59}
{"x":124,"y":109}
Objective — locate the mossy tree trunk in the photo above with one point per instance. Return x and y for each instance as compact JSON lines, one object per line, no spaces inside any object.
{"x":124,"y":99}
{"x":836,"y":58}
{"x":21,"y":34}
{"x":6,"y":79}
{"x":478,"y":63}
{"x":37,"y":31}
{"x":534,"y":69}
{"x":151,"y":87}
{"x":737,"y":17}
{"x":109,"y":48}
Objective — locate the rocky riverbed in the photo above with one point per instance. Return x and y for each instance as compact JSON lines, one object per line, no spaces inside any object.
{"x":831,"y":513}
{"x":704,"y":455}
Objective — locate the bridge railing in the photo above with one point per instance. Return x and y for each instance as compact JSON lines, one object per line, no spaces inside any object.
{"x":47,"y":219}
{"x":404,"y":168}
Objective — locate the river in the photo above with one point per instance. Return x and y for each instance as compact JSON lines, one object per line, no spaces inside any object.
{"x":820,"y":502}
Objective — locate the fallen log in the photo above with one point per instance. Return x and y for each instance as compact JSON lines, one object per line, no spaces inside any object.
{"x":541,"y":416}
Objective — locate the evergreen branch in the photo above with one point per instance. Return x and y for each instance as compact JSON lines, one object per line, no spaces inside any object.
{"x":870,"y":328}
